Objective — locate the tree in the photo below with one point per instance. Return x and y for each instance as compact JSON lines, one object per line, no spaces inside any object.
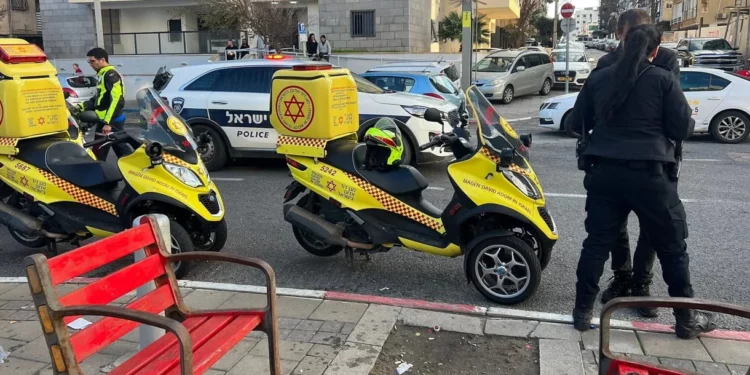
{"x":3,"y":11}
{"x":451,"y":28}
{"x":527,"y":9}
{"x":277,"y":24}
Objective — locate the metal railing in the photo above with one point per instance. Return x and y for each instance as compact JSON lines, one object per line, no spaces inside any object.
{"x":169,"y":42}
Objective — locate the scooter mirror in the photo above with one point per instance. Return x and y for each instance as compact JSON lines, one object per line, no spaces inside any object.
{"x":433,"y":115}
{"x":89,"y":116}
{"x":506,"y":157}
{"x":154,"y":151}
{"x":526,"y":139}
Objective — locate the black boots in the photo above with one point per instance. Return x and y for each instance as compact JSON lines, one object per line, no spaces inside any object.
{"x":582,"y":319}
{"x":643,"y":291}
{"x":619,"y":286}
{"x":690,"y":323}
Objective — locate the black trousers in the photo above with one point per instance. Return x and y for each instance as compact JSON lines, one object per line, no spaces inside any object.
{"x":614,"y":189}
{"x":121,"y":149}
{"x":643,"y":258}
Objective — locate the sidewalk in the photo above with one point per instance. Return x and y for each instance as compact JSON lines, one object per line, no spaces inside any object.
{"x":324,"y":335}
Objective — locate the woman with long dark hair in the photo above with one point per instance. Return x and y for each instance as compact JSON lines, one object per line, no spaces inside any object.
{"x":311,"y":46}
{"x":633,"y":113}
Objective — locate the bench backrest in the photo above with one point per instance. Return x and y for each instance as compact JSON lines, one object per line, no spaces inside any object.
{"x":45,"y":274}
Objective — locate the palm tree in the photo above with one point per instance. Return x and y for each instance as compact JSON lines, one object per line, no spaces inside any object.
{"x":451,"y":28}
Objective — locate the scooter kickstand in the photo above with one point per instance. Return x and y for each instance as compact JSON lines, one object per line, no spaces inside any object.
{"x":349,"y":253}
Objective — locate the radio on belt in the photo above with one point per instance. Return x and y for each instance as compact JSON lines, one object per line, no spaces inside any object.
{"x":31,"y":98}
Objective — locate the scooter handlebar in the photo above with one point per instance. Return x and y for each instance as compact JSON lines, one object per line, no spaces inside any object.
{"x":434,"y":142}
{"x":110,"y":137}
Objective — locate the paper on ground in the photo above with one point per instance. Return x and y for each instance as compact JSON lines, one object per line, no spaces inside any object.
{"x":79,"y":323}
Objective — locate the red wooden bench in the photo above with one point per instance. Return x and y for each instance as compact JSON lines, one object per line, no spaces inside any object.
{"x":199,"y":338}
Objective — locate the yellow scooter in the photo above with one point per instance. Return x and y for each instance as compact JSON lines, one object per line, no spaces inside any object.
{"x":497,"y":217}
{"x":60,"y":193}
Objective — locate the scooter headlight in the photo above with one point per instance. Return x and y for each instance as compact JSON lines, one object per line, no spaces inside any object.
{"x":522,"y":183}
{"x":183,"y":174}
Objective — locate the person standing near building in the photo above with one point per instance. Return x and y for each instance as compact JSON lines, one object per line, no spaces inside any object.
{"x":244,"y":49}
{"x":230,"y":51}
{"x":108,"y":102}
{"x":311,"y":47}
{"x":635,"y":111}
{"x":324,"y":48}
{"x":77,"y":69}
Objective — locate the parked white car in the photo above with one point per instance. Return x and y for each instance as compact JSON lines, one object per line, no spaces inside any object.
{"x":579,"y":67}
{"x":720,"y":101}
{"x":230,"y":102}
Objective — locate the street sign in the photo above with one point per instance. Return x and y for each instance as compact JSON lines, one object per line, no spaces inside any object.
{"x":568,"y":25}
{"x":567,"y":10}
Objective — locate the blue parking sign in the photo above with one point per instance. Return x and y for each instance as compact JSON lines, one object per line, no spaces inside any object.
{"x":301,"y":29}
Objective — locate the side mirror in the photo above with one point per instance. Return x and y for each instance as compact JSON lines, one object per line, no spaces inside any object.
{"x":433,"y":115}
{"x":735,"y":48}
{"x":520,"y":68}
{"x":89,"y":117}
{"x":506,"y":158}
{"x":526,"y":139}
{"x":591,"y":59}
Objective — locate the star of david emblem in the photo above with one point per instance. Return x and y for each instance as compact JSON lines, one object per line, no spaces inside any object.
{"x":41,"y":121}
{"x":331,"y":186}
{"x":24,"y":181}
{"x":290,"y":110}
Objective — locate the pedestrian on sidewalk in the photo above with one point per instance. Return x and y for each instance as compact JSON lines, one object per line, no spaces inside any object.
{"x":324,"y":48}
{"x":635,"y":111}
{"x":230,"y":52}
{"x":311,"y":47}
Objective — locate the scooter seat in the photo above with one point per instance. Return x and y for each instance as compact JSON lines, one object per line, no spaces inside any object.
{"x":350,"y":157}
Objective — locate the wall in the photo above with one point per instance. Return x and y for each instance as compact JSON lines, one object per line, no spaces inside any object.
{"x":68,"y":29}
{"x":154,"y":20}
{"x":24,"y":21}
{"x":396,"y":26}
{"x":313,"y":19}
{"x":420,"y":32}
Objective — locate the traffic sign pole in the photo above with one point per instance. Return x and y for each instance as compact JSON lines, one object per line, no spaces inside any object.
{"x":568,"y":25}
{"x":567,"y":62}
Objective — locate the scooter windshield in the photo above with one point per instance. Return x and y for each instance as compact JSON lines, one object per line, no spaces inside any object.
{"x":158,"y":123}
{"x":494,"y":132}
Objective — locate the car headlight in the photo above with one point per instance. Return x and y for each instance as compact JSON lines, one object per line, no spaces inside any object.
{"x":415,"y":110}
{"x":496,"y":82}
{"x":183,"y":174}
{"x":522,"y":183}
{"x":584,"y":71}
{"x":552,"y":105}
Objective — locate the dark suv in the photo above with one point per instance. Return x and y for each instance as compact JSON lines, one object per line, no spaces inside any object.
{"x":713,"y":53}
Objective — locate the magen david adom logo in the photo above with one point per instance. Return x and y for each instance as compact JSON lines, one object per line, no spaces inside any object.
{"x":295,"y":109}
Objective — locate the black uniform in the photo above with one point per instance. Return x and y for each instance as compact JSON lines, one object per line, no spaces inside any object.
{"x":644,"y":255}
{"x":629,"y":154}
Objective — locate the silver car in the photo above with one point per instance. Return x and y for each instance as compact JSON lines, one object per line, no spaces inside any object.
{"x":505,"y":75}
{"x":80,"y":87}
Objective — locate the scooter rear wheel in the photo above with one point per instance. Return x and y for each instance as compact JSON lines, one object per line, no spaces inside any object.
{"x":32,"y":242}
{"x":310,"y":242}
{"x":504,"y":269}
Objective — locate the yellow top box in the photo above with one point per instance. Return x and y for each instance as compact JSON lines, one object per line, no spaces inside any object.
{"x":314,"y":101}
{"x":31,"y":98}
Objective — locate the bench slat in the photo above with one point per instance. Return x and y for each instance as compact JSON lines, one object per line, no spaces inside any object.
{"x":115,"y":285}
{"x":157,"y":348}
{"x":90,"y":257}
{"x":219,"y":345}
{"x":108,"y":330}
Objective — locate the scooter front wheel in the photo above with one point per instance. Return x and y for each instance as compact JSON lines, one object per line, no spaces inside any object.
{"x":181,"y":243}
{"x":504,"y":269}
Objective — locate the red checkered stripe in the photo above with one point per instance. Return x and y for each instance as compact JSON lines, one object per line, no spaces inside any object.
{"x":175,"y":160}
{"x":298,"y":141}
{"x":490,"y":154}
{"x":8,"y":141}
{"x":80,"y":195}
{"x":396,"y":206}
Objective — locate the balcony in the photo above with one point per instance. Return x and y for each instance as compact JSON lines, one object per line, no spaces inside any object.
{"x":500,"y":9}
{"x":168,"y":43}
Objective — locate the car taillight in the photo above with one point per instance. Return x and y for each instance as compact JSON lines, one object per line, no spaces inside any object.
{"x":70,"y":92}
{"x":433,"y":95}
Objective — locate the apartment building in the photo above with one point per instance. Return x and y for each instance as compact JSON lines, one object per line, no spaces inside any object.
{"x":694,"y":14}
{"x":587,"y":20}
{"x":22,"y":21}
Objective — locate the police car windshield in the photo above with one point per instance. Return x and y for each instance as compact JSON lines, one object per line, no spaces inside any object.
{"x":366,"y":86}
{"x":157,"y":122}
{"x":494,"y":131}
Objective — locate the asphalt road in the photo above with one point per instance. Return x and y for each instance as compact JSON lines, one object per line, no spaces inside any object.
{"x":714,"y":185}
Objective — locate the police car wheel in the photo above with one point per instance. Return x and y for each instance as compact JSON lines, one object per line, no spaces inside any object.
{"x":504,"y":269}
{"x":730,"y":127}
{"x":181,"y":243}
{"x":214,"y":152}
{"x":507,"y":95}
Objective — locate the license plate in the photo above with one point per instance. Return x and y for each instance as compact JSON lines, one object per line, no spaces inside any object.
{"x":563,"y":79}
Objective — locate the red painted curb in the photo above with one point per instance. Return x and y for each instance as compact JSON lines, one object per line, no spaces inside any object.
{"x":404,"y":302}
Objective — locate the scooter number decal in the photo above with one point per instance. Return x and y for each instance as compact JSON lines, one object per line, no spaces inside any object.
{"x":330,"y":171}
{"x":22,"y":168}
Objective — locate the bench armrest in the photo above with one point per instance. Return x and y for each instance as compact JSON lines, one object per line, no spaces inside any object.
{"x":183,"y":336}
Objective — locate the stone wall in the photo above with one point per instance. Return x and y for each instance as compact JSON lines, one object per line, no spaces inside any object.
{"x":400,"y":25}
{"x":68,"y":30}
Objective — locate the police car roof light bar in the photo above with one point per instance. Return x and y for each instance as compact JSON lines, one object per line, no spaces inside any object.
{"x":312,"y":67}
{"x":21,"y":53}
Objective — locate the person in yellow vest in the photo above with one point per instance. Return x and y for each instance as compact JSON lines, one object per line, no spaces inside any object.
{"x":108,"y":102}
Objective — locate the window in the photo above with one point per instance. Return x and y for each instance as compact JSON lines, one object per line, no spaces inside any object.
{"x":111,"y":26}
{"x":175,"y":30}
{"x":363,"y":23}
{"x":530,"y":61}
{"x":400,"y":84}
{"x":718,"y":83}
{"x":80,"y":82}
{"x":712,"y":44}
{"x":451,"y":72}
{"x":366,"y":86}
{"x":443,"y":84}
{"x":207,"y":82}
{"x":494,"y":64}
{"x":695,"y":81}
{"x":545,"y":59}
{"x":245,"y":80}
{"x":19,"y":4}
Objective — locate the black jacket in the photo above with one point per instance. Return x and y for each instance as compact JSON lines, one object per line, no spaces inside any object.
{"x":665,"y":58}
{"x":312,"y":48}
{"x":654,"y":113}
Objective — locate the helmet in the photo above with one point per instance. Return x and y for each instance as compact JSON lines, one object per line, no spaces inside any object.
{"x":384,"y":144}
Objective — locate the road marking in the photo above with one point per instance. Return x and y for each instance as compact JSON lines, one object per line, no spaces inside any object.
{"x":684,"y":200}
{"x":521,"y":119}
{"x":708,"y":160}
{"x":435,"y":188}
{"x":227,"y":179}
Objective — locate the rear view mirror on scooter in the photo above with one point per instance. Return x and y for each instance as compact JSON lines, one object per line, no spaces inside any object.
{"x":433,"y":115}
{"x":506,"y":158}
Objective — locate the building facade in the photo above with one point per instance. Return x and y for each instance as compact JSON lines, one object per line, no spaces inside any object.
{"x":587,"y":20}
{"x":694,"y":14}
{"x":22,"y":21}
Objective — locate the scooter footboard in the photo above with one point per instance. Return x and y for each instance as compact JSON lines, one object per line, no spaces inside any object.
{"x":611,"y":364}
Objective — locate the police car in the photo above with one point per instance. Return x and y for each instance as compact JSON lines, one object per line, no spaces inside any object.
{"x":720,"y":102}
{"x":230,"y":103}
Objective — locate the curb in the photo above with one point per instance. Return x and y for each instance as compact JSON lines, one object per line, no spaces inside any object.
{"x":492,"y":312}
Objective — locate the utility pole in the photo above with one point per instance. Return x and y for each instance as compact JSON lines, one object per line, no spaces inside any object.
{"x":9,"y":11}
{"x":466,"y":45}
{"x":98,"y":21}
{"x":554,"y":28}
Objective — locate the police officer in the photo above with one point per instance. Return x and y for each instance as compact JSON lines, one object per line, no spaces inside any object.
{"x":108,"y":102}
{"x":637,"y":111}
{"x":625,"y":281}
